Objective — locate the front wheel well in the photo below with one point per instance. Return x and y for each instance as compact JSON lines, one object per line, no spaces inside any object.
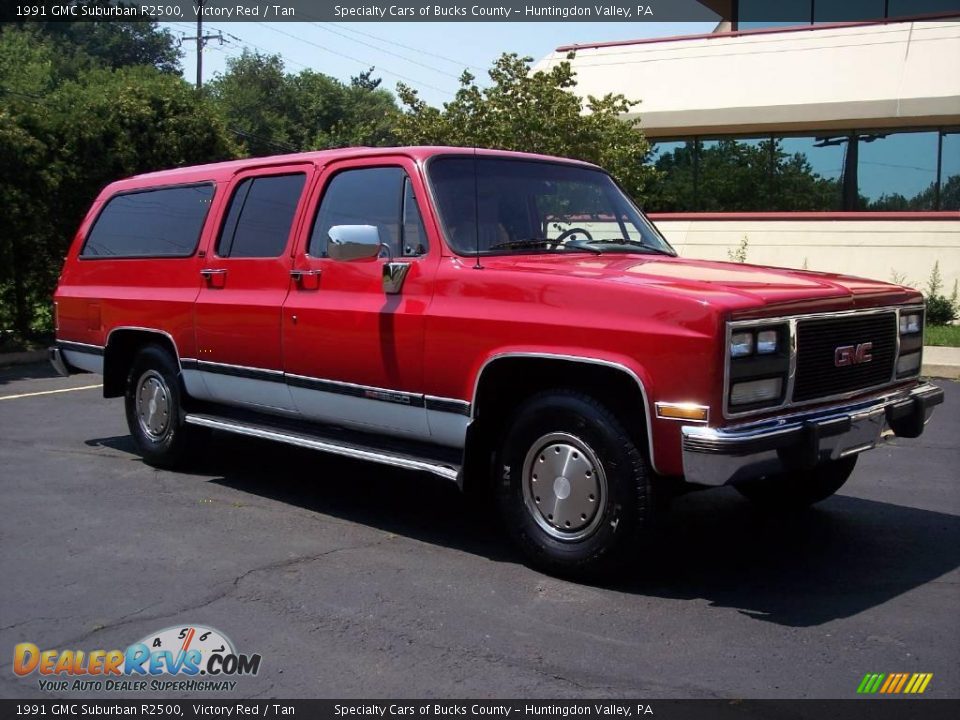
{"x":122,"y":347}
{"x":507,"y":382}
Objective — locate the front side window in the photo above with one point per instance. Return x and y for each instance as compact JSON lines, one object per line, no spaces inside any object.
{"x":500,"y":206}
{"x":260,"y":216}
{"x":378,"y":196}
{"x":165,"y":222}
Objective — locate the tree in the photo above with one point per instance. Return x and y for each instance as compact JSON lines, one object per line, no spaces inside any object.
{"x":926,"y":199}
{"x":112,"y":43}
{"x":273,"y":111}
{"x":65,"y":132}
{"x":533,"y":112}
{"x":733,"y":175}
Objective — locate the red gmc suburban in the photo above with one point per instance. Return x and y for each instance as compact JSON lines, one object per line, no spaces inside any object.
{"x":506,"y":321}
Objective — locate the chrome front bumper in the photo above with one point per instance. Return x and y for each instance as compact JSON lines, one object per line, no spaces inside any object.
{"x":720,"y":456}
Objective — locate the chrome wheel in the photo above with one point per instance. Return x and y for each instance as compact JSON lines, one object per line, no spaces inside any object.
{"x":153,"y":405}
{"x":564,"y":486}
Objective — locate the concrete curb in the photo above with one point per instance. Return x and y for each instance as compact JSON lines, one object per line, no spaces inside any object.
{"x":941,"y":362}
{"x":22,"y":358}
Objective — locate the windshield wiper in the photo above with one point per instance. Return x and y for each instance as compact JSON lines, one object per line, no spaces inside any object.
{"x":522,"y":243}
{"x":529,"y":243}
{"x":630,"y":243}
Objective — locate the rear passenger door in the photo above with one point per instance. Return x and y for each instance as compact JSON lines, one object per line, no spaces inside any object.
{"x":244,"y":282}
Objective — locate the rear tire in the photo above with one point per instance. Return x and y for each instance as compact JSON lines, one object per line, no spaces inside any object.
{"x":798,"y":489}
{"x":572,"y":486}
{"x":154,"y":408}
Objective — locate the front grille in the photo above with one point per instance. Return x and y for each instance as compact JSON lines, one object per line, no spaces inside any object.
{"x":817,"y":342}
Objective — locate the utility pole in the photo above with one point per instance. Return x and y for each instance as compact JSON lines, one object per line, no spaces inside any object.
{"x":200,"y":44}
{"x":201,"y":40}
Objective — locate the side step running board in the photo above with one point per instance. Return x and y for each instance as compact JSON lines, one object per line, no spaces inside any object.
{"x":335,"y":446}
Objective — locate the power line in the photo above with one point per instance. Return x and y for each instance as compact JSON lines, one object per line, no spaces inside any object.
{"x":355,"y":59}
{"x":408,"y":47}
{"x":268,"y":141}
{"x":388,"y":52}
{"x":228,"y":37}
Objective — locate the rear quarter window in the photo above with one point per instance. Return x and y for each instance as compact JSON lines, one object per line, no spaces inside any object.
{"x":165,"y":222}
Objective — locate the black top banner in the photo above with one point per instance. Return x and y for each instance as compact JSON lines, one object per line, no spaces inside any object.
{"x":358,"y":11}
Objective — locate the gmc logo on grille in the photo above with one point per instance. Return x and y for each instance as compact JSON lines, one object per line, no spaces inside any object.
{"x":852,"y":354}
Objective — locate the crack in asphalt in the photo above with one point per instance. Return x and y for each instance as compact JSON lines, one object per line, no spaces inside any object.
{"x":33,"y":620}
{"x":231,"y":587}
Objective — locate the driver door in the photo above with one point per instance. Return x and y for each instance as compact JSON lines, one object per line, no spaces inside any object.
{"x":353,"y":352}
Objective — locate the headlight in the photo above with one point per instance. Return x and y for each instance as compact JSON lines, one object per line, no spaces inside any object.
{"x":741,"y":344}
{"x":766,"y":342}
{"x":910,"y":323}
{"x":758,"y":363}
{"x":908,"y":364}
{"x":755,"y":391}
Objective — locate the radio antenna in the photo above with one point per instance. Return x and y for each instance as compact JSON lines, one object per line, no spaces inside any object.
{"x":476,"y":209}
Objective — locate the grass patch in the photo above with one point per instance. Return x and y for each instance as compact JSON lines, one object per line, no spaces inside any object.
{"x":944,"y":335}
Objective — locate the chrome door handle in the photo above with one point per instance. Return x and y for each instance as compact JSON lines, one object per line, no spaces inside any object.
{"x":306,"y":279}
{"x":300,"y":274}
{"x":215,"y":277}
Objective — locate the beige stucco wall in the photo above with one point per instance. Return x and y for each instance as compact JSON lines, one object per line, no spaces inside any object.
{"x":869,"y":248}
{"x":898,"y":74}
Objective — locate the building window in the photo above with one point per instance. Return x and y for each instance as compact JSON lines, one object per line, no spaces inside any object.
{"x":753,"y":14}
{"x":905,"y":8}
{"x":949,"y":194}
{"x":827,"y":11}
{"x":770,"y":13}
{"x":734,"y":172}
{"x":898,"y":171}
{"x":677,"y":190}
{"x":808,"y":175}
{"x":880,"y":170}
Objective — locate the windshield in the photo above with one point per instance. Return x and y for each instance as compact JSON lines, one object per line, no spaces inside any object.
{"x":499,"y":206}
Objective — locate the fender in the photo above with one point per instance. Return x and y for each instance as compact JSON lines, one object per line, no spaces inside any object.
{"x":566,"y":357}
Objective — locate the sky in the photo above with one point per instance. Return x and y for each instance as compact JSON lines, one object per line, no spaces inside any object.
{"x":346,"y":49}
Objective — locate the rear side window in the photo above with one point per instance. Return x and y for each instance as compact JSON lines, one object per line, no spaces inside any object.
{"x":165,"y":222}
{"x":260,"y":216}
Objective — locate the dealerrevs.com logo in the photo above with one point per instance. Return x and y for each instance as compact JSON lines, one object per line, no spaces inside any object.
{"x":192,"y":658}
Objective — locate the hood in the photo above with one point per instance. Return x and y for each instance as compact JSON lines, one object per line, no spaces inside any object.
{"x":734,"y":286}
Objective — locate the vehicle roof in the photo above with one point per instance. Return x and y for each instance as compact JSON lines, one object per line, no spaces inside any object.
{"x":224,"y":170}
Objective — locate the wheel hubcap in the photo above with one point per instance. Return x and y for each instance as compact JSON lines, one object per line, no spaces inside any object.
{"x":564,"y":486}
{"x":153,"y":404}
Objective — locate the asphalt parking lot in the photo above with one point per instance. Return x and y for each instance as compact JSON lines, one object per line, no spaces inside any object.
{"x":355,"y":581}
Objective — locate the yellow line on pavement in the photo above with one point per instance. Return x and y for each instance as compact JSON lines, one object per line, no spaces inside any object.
{"x":49,"y":392}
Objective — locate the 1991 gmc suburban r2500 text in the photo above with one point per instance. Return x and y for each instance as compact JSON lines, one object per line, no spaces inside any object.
{"x":490,"y":317}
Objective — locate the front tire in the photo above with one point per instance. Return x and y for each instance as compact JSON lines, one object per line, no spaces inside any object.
{"x":572,"y":486}
{"x":798,"y":489}
{"x":154,"y":408}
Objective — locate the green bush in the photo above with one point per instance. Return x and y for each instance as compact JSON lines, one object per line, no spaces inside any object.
{"x":940,"y":311}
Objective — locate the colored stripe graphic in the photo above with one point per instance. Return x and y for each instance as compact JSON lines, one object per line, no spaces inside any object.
{"x":891,"y":680}
{"x":894,"y":683}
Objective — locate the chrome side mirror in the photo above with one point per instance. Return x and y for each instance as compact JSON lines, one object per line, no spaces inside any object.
{"x":353,"y":242}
